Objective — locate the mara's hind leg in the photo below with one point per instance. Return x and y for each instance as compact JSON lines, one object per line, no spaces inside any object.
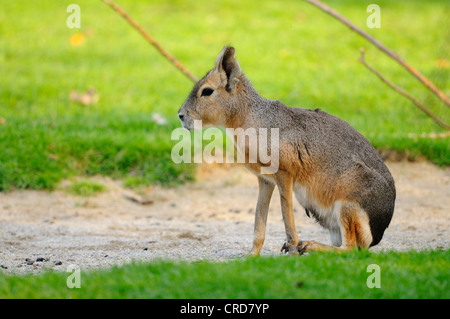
{"x":354,"y":229}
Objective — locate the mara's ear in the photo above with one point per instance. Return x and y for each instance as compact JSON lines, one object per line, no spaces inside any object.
{"x":228,"y":67}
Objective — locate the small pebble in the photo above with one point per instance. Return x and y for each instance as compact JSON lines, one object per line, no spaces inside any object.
{"x":30,"y":262}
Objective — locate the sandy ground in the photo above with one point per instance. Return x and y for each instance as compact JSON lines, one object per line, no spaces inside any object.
{"x":209,"y":219}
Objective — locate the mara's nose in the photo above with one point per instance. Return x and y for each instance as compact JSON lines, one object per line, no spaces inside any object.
{"x":181,"y":116}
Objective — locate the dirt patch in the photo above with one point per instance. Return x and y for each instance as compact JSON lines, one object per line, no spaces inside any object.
{"x":209,"y":219}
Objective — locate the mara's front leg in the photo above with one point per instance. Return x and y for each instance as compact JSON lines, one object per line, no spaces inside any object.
{"x":285,"y":185}
{"x":262,"y":209}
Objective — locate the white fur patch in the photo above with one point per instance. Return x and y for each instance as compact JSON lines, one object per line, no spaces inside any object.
{"x":328,"y":216}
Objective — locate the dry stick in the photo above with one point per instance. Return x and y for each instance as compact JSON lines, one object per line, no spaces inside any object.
{"x":152,"y":41}
{"x":380,"y":46}
{"x":403,"y":92}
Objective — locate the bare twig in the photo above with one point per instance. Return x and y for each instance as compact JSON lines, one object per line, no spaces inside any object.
{"x":151,"y":40}
{"x":402,"y":92}
{"x":380,"y":46}
{"x":137,"y":199}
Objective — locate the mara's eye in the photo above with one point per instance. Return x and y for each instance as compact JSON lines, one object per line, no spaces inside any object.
{"x":207,"y":92}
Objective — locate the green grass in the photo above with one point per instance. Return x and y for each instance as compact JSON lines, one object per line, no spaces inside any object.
{"x":290,"y":50}
{"x":86,"y":188}
{"x":412,"y":274}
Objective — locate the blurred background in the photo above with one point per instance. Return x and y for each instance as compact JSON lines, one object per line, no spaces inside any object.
{"x":100,"y":100}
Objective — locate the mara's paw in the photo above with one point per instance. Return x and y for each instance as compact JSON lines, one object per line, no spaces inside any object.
{"x":303,"y":247}
{"x":289,"y":249}
{"x":253,"y":253}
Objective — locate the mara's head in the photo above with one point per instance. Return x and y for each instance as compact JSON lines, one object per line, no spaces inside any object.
{"x":215,"y":97}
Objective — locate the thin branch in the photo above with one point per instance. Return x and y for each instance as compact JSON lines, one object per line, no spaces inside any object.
{"x":380,"y":46}
{"x":151,"y":40}
{"x":402,"y":92}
